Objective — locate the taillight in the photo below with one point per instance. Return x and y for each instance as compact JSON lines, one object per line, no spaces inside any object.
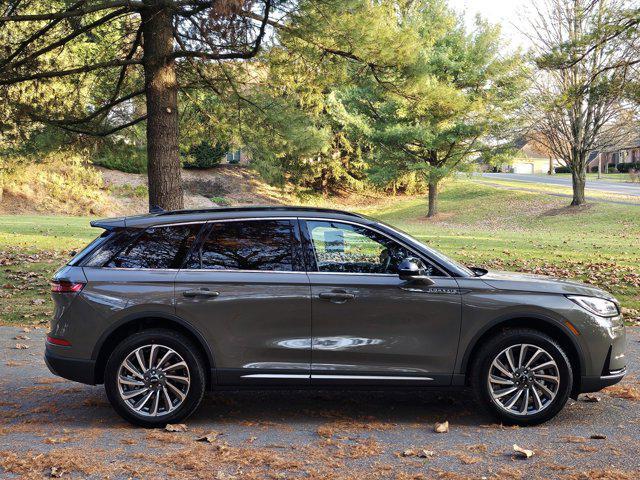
{"x":62,"y":286}
{"x":58,"y":341}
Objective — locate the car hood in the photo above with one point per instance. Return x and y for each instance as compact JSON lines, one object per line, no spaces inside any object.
{"x":540,"y":283}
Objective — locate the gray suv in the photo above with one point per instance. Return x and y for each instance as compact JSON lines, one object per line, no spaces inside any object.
{"x":162,"y":307}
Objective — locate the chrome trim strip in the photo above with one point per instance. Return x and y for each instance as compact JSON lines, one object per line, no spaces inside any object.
{"x":213,"y":270}
{"x":334,"y":377}
{"x":355,"y":273}
{"x":368,"y":377}
{"x":244,"y":219}
{"x":322,"y":219}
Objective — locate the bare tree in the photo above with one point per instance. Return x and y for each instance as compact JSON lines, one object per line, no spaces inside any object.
{"x":577,"y":102}
{"x":144,"y":45}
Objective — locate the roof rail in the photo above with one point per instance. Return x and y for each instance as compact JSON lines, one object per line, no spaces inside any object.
{"x":259,"y":208}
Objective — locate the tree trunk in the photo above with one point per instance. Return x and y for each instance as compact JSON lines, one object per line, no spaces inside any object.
{"x":324,"y":182}
{"x":163,"y":160}
{"x":579,"y":178}
{"x":433,"y":198}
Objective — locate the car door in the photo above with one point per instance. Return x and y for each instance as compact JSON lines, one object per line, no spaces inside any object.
{"x":370,"y":327}
{"x":245,"y":287}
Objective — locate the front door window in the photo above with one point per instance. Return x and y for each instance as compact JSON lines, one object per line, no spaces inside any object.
{"x":347,"y":248}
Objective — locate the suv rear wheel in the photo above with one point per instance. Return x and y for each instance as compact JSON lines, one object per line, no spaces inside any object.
{"x":155,"y":377}
{"x":522,"y":377}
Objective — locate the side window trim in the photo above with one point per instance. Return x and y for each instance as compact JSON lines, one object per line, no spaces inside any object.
{"x":311,"y":249}
{"x":196,"y":246}
{"x":297,"y":248}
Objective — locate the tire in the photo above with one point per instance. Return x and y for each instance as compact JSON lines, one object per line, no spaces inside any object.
{"x":527,"y":409}
{"x":178,"y":383}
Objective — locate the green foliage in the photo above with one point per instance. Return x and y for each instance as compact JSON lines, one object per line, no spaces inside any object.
{"x":562,"y":169}
{"x":120,"y":156}
{"x":221,"y":201}
{"x":205,"y":155}
{"x":126,"y":190}
{"x":449,"y":100}
{"x":626,"y":167}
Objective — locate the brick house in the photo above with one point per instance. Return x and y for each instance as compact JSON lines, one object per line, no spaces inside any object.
{"x":626,"y":154}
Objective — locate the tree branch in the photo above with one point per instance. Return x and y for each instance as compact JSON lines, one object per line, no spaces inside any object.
{"x":69,"y":37}
{"x":103,"y":133}
{"x":72,"y":71}
{"x":130,"y":5}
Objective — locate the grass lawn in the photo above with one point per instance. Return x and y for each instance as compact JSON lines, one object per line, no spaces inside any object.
{"x":478,"y":225}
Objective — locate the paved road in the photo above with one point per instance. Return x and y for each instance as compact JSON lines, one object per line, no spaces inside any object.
{"x":46,"y":422}
{"x":620,"y":188}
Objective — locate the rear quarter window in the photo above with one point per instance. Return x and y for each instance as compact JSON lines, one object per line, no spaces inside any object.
{"x":115,"y":242}
{"x":153,"y":248}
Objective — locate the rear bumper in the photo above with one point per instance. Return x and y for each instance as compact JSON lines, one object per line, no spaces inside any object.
{"x":594,"y":384}
{"x":82,"y":371}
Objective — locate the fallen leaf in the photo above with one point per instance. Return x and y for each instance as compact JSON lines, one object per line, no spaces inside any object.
{"x":38,"y":301}
{"x":21,"y":337}
{"x":56,"y":472}
{"x":21,"y":346}
{"x":209,"y":437}
{"x":598,"y":436}
{"x":591,"y":399}
{"x":178,"y":427}
{"x":441,"y":427}
{"x":425,"y":454}
{"x":523,"y":451}
{"x":409,"y":453}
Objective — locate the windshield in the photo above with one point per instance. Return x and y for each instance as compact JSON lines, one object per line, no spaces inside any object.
{"x":432,"y":253}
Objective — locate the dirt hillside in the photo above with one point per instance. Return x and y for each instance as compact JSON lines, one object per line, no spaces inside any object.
{"x":90,"y":190}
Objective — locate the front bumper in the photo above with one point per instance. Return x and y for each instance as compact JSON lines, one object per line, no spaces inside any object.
{"x":82,"y":371}
{"x":594,"y":384}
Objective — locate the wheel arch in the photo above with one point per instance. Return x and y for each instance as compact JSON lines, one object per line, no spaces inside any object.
{"x":143,"y":321}
{"x":558,"y":332}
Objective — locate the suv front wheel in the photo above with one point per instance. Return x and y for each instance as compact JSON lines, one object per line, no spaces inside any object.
{"x":155,"y":377}
{"x":522,"y":377}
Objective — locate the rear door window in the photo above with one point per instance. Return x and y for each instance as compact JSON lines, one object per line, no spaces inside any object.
{"x":263,"y":245}
{"x":156,"y":248}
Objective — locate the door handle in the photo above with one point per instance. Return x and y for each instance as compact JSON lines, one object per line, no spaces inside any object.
{"x":200,"y":292}
{"x":337,"y":296}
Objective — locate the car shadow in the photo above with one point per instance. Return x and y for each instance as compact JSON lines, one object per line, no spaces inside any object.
{"x":304,"y":406}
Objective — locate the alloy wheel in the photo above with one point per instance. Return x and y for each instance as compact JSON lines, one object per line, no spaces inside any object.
{"x":153,"y":380}
{"x":523,"y":379}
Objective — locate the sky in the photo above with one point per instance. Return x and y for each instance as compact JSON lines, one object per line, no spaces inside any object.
{"x":510,"y":14}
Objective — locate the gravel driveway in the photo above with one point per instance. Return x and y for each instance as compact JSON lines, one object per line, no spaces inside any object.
{"x":51,"y":427}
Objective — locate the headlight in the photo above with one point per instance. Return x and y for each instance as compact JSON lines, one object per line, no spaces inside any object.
{"x":595,"y":305}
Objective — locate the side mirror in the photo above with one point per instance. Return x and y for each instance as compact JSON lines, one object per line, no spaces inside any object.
{"x":410,"y":270}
